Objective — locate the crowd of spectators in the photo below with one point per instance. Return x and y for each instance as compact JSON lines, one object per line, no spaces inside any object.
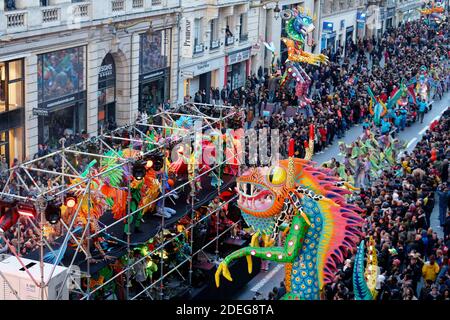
{"x":339,"y":89}
{"x":413,"y":260}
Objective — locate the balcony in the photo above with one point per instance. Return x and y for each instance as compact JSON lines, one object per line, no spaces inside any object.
{"x":29,"y":15}
{"x":80,"y":10}
{"x":138,"y":4}
{"x":50,"y":15}
{"x":117,"y":5}
{"x":199,"y":48}
{"x":16,"y":19}
{"x":215,"y":44}
{"x":229,"y":40}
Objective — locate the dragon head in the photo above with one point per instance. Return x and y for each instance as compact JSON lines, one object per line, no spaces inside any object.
{"x":304,"y":23}
{"x":262,"y":191}
{"x":299,"y":24}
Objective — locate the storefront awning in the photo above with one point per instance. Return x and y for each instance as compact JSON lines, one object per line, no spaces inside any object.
{"x":45,"y":108}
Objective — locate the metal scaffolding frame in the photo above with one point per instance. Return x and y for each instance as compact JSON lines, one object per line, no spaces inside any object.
{"x":57,"y":189}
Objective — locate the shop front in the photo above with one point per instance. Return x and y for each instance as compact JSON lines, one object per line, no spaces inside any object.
{"x":237,"y":67}
{"x":154,"y":78}
{"x":361,"y":24}
{"x":203,"y":76}
{"x":410,"y":12}
{"x":107,"y":93}
{"x":349,"y":36}
{"x":12,"y":110}
{"x":390,"y":16}
{"x":328,"y":38}
{"x":61,"y":94}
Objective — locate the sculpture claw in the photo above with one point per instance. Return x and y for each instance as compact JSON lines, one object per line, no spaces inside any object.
{"x":222,"y":270}
{"x":249,"y":264}
{"x":268,"y":242}
{"x":255,"y":240}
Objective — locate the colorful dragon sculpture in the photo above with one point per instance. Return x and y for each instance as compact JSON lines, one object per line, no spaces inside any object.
{"x":308,"y":205}
{"x":299,"y":27}
{"x":365,"y":279}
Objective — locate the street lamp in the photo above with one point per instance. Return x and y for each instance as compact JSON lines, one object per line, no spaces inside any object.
{"x":277,"y":11}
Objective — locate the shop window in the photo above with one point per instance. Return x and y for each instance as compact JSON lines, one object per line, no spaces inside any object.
{"x":12,"y":145}
{"x":107,"y":93}
{"x":153,"y":95}
{"x":15,"y":70}
{"x":11,"y":85}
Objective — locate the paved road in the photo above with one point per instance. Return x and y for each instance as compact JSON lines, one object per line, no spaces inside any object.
{"x":266,"y":280}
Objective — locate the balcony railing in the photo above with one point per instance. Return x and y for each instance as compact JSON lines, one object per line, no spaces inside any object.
{"x":81,"y":10}
{"x":214,"y":44}
{"x":138,"y":3}
{"x":117,"y":5}
{"x":50,"y":15}
{"x":229,"y":40}
{"x":199,"y":48}
{"x":15,"y":19}
{"x":243,"y":37}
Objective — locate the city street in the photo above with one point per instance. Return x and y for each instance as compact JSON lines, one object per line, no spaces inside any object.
{"x":115,"y":184}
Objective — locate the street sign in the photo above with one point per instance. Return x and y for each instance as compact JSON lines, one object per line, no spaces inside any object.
{"x":40,"y":112}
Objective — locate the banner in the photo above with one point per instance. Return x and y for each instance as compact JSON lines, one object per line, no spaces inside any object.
{"x":187,"y":37}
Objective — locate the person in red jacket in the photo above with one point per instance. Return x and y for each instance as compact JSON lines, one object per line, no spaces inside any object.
{"x":323,"y":137}
{"x":433,"y":154}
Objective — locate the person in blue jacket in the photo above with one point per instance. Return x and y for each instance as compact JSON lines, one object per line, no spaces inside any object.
{"x":444,"y":194}
{"x":422,"y":108}
{"x":385,"y":125}
{"x":403,"y":118}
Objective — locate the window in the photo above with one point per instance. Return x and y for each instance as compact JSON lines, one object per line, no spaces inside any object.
{"x":12,"y":145}
{"x":243,"y":28}
{"x":11,"y":85}
{"x":198,"y":31}
{"x":214,"y":29}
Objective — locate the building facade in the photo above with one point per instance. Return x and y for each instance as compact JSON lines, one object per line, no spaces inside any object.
{"x":75,"y":66}
{"x":407,"y":10}
{"x":340,"y":23}
{"x":217,"y":45}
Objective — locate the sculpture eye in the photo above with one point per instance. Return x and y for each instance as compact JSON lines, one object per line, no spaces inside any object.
{"x":277,"y":175}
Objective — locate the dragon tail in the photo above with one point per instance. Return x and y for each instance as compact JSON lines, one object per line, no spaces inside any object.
{"x":360,"y":287}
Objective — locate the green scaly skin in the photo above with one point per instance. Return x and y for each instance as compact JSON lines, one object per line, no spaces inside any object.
{"x":286,"y":254}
